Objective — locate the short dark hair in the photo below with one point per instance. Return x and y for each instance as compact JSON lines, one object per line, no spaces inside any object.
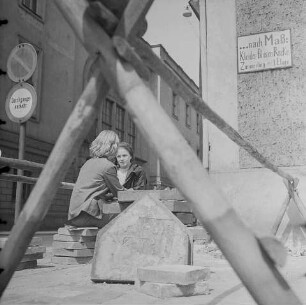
{"x":128,"y":147}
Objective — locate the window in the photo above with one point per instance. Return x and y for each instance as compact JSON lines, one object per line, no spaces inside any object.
{"x":198,"y":123}
{"x":35,"y":7}
{"x":107,"y":112}
{"x":188,"y":116}
{"x":120,"y":122}
{"x":175,"y":105}
{"x":35,"y":79}
{"x":131,"y":132}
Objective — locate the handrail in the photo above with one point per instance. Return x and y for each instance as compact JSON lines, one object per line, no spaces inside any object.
{"x":32,"y":180}
{"x":21,"y":164}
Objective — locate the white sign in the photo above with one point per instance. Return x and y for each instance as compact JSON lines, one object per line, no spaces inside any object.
{"x":21,"y":102}
{"x":264,"y":51}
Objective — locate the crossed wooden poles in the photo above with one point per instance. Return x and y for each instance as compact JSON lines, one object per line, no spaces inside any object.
{"x":110,"y":39}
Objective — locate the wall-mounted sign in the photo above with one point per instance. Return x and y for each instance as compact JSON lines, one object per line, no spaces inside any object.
{"x":21,"y":62}
{"x":20,"y":102}
{"x":264,"y":51}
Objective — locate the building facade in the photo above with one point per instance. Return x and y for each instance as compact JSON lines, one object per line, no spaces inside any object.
{"x":266,"y":103}
{"x":61,"y":74}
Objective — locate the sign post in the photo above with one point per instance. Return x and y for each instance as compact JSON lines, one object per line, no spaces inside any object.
{"x":21,"y":100}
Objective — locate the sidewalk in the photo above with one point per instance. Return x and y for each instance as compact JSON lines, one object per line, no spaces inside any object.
{"x":56,"y":284}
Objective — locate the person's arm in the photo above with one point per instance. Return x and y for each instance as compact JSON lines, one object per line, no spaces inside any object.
{"x":141,"y":180}
{"x":112,"y":181}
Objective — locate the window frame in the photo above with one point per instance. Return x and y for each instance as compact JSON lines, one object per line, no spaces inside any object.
{"x":175,"y":106}
{"x":40,"y":8}
{"x":188,"y":115}
{"x":119,"y":122}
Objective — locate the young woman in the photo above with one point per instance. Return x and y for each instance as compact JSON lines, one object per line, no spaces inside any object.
{"x":130,"y":175}
{"x":97,"y":177}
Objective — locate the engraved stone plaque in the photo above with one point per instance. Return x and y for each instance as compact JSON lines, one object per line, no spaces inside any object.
{"x":144,"y":234}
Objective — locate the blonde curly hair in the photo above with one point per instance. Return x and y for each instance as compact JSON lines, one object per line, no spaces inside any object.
{"x":104,"y":145}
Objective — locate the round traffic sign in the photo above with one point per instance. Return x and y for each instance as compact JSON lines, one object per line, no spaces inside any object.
{"x":21,"y":102}
{"x":21,"y":62}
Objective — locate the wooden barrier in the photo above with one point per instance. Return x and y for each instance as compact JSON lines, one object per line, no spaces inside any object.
{"x":238,"y":244}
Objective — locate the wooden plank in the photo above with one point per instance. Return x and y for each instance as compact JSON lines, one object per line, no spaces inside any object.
{"x":21,"y":164}
{"x":133,"y":195}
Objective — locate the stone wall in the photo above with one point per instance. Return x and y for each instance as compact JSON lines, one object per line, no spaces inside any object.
{"x":271,"y":103}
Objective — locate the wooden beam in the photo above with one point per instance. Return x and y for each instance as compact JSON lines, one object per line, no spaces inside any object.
{"x":149,"y":57}
{"x":32,"y":180}
{"x":236,"y":241}
{"x":21,"y":164}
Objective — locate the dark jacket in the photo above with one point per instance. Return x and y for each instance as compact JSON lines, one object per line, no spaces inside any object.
{"x":135,"y":178}
{"x":97,"y":177}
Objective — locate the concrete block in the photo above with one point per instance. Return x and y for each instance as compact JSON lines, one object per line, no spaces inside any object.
{"x":35,"y":249}
{"x":65,"y":260}
{"x":26,"y":265}
{"x":114,"y":207}
{"x":199,"y":233}
{"x":177,"y":206}
{"x":88,"y":231}
{"x":173,"y":274}
{"x":161,"y":290}
{"x":73,"y":245}
{"x":76,"y":238}
{"x":32,"y":257}
{"x":144,"y":234}
{"x":186,"y":218}
{"x":73,"y":253}
{"x":130,"y":196}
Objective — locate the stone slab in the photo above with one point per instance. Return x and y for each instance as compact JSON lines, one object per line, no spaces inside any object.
{"x":26,"y":265}
{"x":177,"y":206}
{"x":88,"y":231}
{"x":73,"y":245}
{"x":186,"y":218}
{"x":144,"y":234}
{"x":73,"y":253}
{"x":173,"y":274}
{"x":114,"y":207}
{"x":35,"y":250}
{"x":131,"y":196}
{"x":76,"y":238}
{"x":35,"y":241}
{"x":65,"y":260}
{"x":32,"y":257}
{"x":161,"y":290}
{"x":199,"y":233}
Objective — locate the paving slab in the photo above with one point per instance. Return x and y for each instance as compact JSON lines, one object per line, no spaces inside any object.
{"x":173,"y":274}
{"x":86,"y":231}
{"x":162,"y":290}
{"x":73,"y":245}
{"x":144,"y":234}
{"x":77,"y":238}
{"x":73,"y":252}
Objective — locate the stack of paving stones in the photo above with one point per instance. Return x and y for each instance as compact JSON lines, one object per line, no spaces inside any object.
{"x":34,"y":252}
{"x":165,"y":281}
{"x":72,"y":246}
{"x":172,"y":199}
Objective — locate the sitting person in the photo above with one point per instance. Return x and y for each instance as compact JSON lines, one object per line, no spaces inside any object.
{"x":131,"y":175}
{"x":97,"y":177}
